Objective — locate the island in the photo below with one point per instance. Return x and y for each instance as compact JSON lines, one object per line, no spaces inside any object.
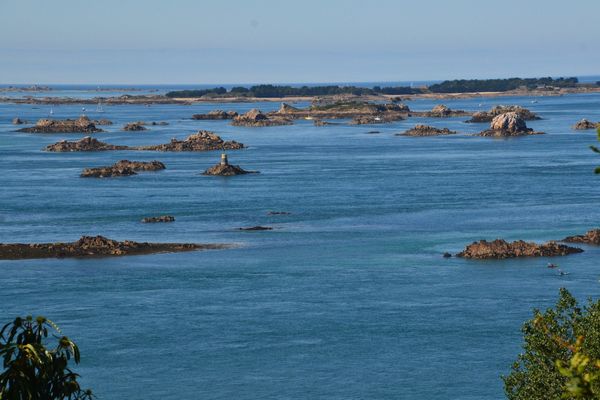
{"x":256,"y":118}
{"x":590,"y":237}
{"x":223,"y":168}
{"x":80,"y":125}
{"x":122,"y":168}
{"x":426,"y":130}
{"x":508,"y":125}
{"x":488,"y":116}
{"x":499,"y":249}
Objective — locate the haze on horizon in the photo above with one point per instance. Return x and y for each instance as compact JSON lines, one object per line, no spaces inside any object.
{"x":267,"y":41}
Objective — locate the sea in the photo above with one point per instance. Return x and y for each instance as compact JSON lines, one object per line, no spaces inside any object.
{"x":348,"y":297}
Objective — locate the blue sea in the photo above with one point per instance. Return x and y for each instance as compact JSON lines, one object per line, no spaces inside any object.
{"x":347,"y":298}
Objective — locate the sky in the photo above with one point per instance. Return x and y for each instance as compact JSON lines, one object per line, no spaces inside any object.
{"x":269,"y":41}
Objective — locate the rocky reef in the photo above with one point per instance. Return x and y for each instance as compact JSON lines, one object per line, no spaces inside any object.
{"x":360,"y":111}
{"x":95,"y":246}
{"x":507,"y":125}
{"x":162,"y":218}
{"x":122,"y":168}
{"x":584,"y":124}
{"x":80,"y":125}
{"x":216,"y":115}
{"x":256,"y":118}
{"x":488,"y":116}
{"x":223,"y":168}
{"x":426,"y":130}
{"x":200,"y":141}
{"x":85,"y":144}
{"x":442,"y":111}
{"x":135,"y":126}
{"x":256,"y":228}
{"x":590,"y":237}
{"x":102,"y":121}
{"x":499,"y":249}
{"x":374,"y":119}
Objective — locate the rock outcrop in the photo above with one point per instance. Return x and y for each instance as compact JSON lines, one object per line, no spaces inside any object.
{"x":86,"y":144}
{"x":584,"y":124}
{"x":223,"y":168}
{"x":507,"y":125}
{"x":18,"y":121}
{"x":442,"y":111}
{"x":162,"y":218}
{"x":135,"y":126}
{"x":488,"y":116}
{"x":426,"y":130}
{"x":80,"y":125}
{"x":122,"y":168}
{"x":590,"y":237}
{"x":374,"y":119}
{"x":102,"y":121}
{"x":499,"y":249}
{"x":255,"y":118}
{"x":287,"y":109}
{"x":216,"y":115}
{"x":201,"y":141}
{"x":95,"y":246}
{"x":256,"y":228}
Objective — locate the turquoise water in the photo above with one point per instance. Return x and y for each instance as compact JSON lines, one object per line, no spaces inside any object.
{"x":347,"y":298}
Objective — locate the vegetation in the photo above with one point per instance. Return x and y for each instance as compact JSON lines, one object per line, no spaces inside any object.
{"x":499,"y":85}
{"x":31,"y":371}
{"x":561,"y":354}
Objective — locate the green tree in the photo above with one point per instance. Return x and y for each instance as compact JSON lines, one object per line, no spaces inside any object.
{"x":560,"y":347}
{"x":31,"y":371}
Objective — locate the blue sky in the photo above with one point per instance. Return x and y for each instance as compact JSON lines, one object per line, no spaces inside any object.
{"x":236,"y":41}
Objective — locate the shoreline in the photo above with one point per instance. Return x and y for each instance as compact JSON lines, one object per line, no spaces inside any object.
{"x":161,"y":99}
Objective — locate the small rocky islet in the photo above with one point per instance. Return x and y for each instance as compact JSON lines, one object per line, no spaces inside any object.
{"x":256,"y":118}
{"x":159,"y":219}
{"x":426,"y":130}
{"x":509,"y":124}
{"x":584,"y":124}
{"x":223,"y":168}
{"x":122,"y":168}
{"x":500,"y":249}
{"x":591,"y":237}
{"x":488,"y":116}
{"x":216,"y":115}
{"x":80,"y":125}
{"x":95,"y":246}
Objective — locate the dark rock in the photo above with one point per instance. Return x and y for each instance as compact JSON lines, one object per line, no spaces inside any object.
{"x":216,"y":115}
{"x":102,"y":121}
{"x":499,"y":249}
{"x":590,"y":237}
{"x":122,"y":168}
{"x":159,"y":123}
{"x":256,"y":228}
{"x":95,"y":246}
{"x":18,"y":121}
{"x":135,"y":126}
{"x":201,"y":141}
{"x":80,"y":125}
{"x":447,"y":255}
{"x":86,"y":144}
{"x":162,"y":218}
{"x":426,"y":130}
{"x":584,"y":124}
{"x":279,"y":213}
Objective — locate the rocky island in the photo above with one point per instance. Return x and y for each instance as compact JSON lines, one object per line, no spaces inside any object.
{"x":426,"y":130}
{"x":584,"y":124}
{"x":508,"y":125}
{"x":256,"y":118}
{"x":223,"y":168}
{"x":488,"y":116}
{"x":162,"y":218}
{"x":134,"y":126}
{"x":442,"y":111}
{"x":200,"y":141}
{"x":122,"y":168}
{"x":79,"y":125}
{"x":216,"y":115}
{"x":360,"y":112}
{"x":95,"y":246}
{"x":590,"y":237}
{"x":499,"y":249}
{"x":87,"y":143}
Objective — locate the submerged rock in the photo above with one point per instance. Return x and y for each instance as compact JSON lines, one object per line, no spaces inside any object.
{"x":95,"y":246}
{"x":590,"y":237}
{"x":255,"y":118}
{"x":499,"y":249}
{"x":584,"y":124}
{"x":122,"y":168}
{"x":223,"y":168}
{"x":374,"y":119}
{"x":80,"y":125}
{"x":135,"y":126}
{"x":216,"y":115}
{"x":102,"y":121}
{"x":426,"y":130}
{"x":86,"y":144}
{"x":279,"y":213}
{"x":488,"y":116}
{"x":162,"y":218}
{"x":201,"y":141}
{"x":18,"y":121}
{"x":508,"y":124}
{"x":256,"y":228}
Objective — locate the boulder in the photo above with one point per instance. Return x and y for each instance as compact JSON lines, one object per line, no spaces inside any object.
{"x":590,"y":237}
{"x":135,"y":126}
{"x":162,"y":218}
{"x":255,"y":118}
{"x":426,"y":130}
{"x":488,"y":116}
{"x":499,"y":249}
{"x":256,"y":228}
{"x":95,"y":246}
{"x":80,"y":125}
{"x":200,"y":141}
{"x":584,"y":124}
{"x":18,"y":121}
{"x":508,"y":124}
{"x":86,"y":144}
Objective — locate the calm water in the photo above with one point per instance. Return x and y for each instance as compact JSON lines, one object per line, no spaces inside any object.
{"x":348,"y":298}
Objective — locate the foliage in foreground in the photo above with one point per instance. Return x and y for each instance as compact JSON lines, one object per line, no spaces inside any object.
{"x":31,"y":371}
{"x":561,"y":358}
